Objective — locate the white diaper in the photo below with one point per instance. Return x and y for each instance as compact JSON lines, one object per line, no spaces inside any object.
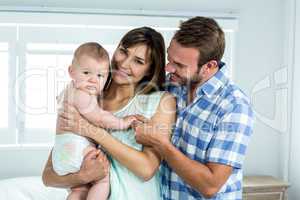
{"x":68,"y":153}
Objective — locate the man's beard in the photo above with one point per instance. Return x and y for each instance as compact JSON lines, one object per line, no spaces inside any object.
{"x":191,"y":81}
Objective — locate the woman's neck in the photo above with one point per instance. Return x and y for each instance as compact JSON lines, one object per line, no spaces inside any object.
{"x":120,"y":92}
{"x":117,"y":96}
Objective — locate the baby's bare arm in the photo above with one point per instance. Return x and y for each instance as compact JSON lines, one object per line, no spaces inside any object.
{"x":88,"y":106}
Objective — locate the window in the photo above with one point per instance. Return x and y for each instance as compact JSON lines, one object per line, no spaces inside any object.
{"x":44,"y":78}
{"x":4,"y":84}
{"x":7,"y":68}
{"x":35,"y":52}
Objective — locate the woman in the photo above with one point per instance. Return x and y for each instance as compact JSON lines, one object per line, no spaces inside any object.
{"x":138,"y":72}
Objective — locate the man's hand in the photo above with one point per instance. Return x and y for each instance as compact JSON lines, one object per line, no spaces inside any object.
{"x":94,"y":167}
{"x":149,"y":134}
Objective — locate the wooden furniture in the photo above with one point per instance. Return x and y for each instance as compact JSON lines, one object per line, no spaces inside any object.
{"x":264,"y":188}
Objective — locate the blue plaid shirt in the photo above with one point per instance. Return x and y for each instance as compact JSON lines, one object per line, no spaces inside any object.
{"x":215,"y":127}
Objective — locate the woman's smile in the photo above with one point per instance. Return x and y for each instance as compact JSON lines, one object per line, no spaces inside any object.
{"x":122,"y":72}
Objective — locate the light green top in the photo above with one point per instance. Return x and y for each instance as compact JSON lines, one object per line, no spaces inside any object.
{"x":124,"y":184}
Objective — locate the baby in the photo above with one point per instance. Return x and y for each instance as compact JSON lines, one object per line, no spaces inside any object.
{"x":89,"y":72}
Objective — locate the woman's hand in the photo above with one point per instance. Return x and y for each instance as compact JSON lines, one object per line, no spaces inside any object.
{"x":95,"y":166}
{"x":69,"y":119}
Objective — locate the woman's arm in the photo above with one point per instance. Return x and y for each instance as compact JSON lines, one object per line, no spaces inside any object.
{"x":142,"y":163}
{"x":146,"y":162}
{"x":94,"y":167}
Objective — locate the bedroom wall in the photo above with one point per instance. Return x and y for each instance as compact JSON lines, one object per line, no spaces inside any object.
{"x":17,"y":162}
{"x":259,"y":53}
{"x":295,"y":136}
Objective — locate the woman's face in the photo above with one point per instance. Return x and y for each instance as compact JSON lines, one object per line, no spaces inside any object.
{"x":130,"y":65}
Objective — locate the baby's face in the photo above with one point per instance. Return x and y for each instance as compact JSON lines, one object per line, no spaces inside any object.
{"x":89,"y":74}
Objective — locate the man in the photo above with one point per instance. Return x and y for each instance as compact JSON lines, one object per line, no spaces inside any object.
{"x":205,"y":156}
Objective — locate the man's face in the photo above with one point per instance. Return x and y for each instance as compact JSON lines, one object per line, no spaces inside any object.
{"x":183,"y":64}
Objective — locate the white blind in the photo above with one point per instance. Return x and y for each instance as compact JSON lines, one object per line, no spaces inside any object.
{"x":7,"y":71}
{"x":35,"y":52}
{"x":4,"y":84}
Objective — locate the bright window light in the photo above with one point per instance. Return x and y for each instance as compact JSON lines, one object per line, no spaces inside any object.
{"x":3,"y":46}
{"x":51,"y":47}
{"x":4,"y":89}
{"x":46,"y":76}
{"x":35,"y":53}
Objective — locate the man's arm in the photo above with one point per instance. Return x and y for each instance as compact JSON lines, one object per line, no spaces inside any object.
{"x":206,"y":178}
{"x":233,"y":132}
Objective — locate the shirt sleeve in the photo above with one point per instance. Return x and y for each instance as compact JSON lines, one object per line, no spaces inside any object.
{"x":231,"y":137}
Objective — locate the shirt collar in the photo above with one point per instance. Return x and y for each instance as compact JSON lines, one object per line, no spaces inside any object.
{"x":211,"y":86}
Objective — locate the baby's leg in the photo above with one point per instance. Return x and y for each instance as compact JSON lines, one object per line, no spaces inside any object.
{"x":78,"y":193}
{"x":81,"y":192}
{"x":99,"y":190}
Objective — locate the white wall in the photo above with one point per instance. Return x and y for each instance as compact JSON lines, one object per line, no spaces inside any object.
{"x":295,"y":136}
{"x":259,"y":53}
{"x":22,"y":162}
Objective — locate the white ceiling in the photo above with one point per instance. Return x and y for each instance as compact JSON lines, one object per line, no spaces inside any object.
{"x":169,"y":5}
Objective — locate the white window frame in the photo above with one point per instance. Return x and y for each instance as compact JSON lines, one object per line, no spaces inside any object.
{"x":22,"y":24}
{"x":8,"y":35}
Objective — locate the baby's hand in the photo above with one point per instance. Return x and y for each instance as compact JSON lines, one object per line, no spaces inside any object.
{"x":128,"y":121}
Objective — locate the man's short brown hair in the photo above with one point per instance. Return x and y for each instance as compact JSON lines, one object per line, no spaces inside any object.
{"x":203,"y":34}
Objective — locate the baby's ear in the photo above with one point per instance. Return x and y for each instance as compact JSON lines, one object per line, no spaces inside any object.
{"x":71,"y":70}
